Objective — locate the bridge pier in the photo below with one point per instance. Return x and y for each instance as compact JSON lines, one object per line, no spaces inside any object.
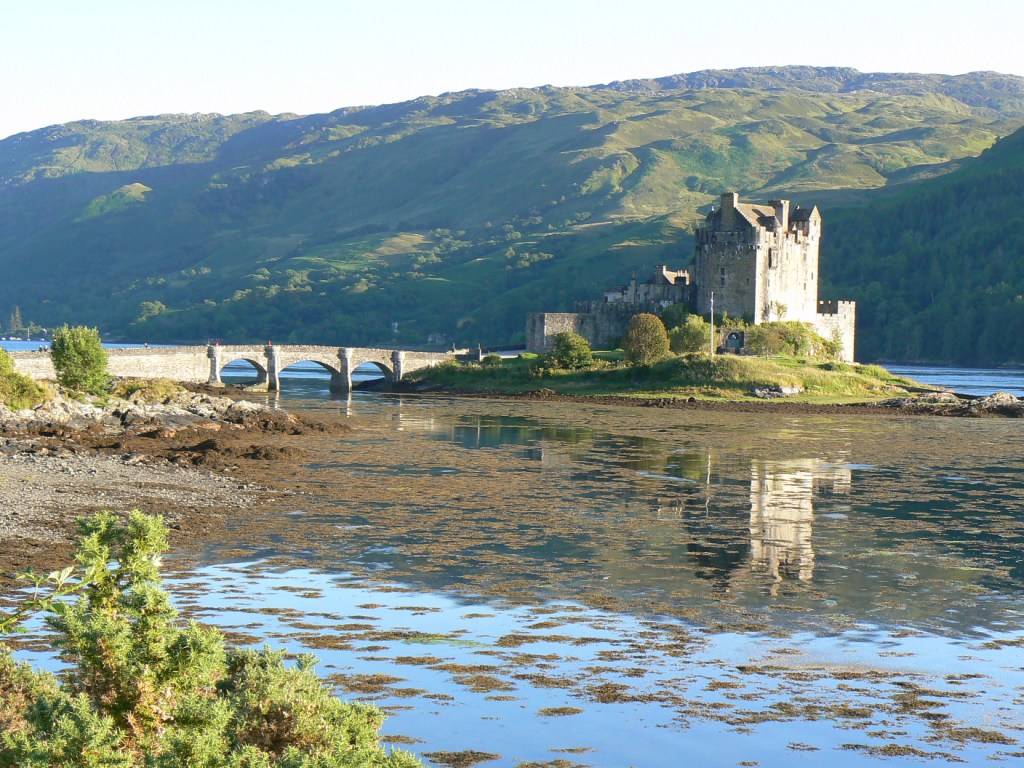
{"x":398,"y":365}
{"x":273,"y":375}
{"x":342,"y":381}
{"x":213,"y":353}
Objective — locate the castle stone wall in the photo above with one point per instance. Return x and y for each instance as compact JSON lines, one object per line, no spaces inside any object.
{"x":542,"y":327}
{"x":837,"y":319}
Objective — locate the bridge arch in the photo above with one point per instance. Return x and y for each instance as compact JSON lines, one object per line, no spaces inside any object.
{"x":261,"y":368}
{"x":387,"y":371}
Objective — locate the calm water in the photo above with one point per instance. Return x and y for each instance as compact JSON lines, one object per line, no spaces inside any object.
{"x":611,"y":586}
{"x":565,"y":585}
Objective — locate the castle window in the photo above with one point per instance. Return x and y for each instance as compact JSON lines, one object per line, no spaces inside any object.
{"x":771,"y":257}
{"x":723,"y":281}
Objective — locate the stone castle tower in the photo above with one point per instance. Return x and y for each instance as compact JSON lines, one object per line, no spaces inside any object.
{"x":761,"y":263}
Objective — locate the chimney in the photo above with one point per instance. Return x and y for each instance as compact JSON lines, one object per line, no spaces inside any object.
{"x":781,"y":213}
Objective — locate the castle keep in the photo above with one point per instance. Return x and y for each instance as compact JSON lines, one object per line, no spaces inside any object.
{"x":759,"y":261}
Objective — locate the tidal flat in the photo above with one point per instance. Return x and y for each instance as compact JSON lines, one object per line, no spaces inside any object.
{"x":564,"y":584}
{"x":559,"y":584}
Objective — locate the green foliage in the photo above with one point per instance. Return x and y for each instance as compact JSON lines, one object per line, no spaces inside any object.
{"x":936,"y":266}
{"x":342,"y":223}
{"x":79,"y":359}
{"x":789,"y":338}
{"x":646,"y":340}
{"x":18,"y":391}
{"x":491,"y":360}
{"x":694,"y":335}
{"x":144,"y":689}
{"x":569,"y":350}
{"x":15,"y":325}
{"x":147,"y":390}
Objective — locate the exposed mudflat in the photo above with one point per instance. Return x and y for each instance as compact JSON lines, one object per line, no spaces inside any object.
{"x":197,"y":470}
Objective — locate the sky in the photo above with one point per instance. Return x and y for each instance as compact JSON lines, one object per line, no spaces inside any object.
{"x":65,"y":60}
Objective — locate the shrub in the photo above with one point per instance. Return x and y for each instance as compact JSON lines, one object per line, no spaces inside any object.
{"x":147,"y":390}
{"x":569,"y":350}
{"x":646,"y":340}
{"x":145,"y":690}
{"x":18,"y":391}
{"x":692,"y":336}
{"x":79,"y":360}
{"x":789,"y":338}
{"x":491,"y":361}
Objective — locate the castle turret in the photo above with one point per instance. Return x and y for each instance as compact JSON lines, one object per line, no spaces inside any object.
{"x":729,"y":202}
{"x":781,"y":212}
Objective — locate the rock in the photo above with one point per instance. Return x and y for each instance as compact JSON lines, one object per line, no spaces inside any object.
{"x":770,"y":393}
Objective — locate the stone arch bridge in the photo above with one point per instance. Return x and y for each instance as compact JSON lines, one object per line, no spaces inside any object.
{"x":203,"y":364}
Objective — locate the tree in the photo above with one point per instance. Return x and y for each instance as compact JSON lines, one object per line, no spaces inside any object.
{"x":144,"y":689}
{"x":14,"y":321}
{"x":79,"y":359}
{"x":694,"y":335}
{"x":570,"y":350}
{"x":646,"y":340}
{"x":148,"y":309}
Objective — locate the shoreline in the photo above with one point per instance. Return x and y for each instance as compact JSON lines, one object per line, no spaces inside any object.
{"x":947,"y":404}
{"x":200,"y":471}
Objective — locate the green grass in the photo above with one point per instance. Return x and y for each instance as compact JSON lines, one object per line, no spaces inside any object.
{"x":727,"y":377}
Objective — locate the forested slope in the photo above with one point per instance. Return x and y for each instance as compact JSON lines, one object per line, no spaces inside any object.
{"x":938,"y":268}
{"x":454,"y":215}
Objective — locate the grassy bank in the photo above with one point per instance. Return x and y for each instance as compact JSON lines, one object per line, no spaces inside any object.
{"x":727,"y":377}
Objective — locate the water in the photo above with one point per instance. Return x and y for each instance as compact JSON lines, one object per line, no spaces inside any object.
{"x":622,"y":586}
{"x":615,"y":586}
{"x":967,"y":381}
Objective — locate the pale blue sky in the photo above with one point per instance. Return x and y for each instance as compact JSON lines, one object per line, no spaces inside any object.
{"x":63,"y":60}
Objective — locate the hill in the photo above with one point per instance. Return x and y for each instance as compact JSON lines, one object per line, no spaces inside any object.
{"x":938,"y":267}
{"x":452,"y":215}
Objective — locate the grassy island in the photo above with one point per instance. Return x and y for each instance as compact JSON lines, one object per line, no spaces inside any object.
{"x":725,"y":377}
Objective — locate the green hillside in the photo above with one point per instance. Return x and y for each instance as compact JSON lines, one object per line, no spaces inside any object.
{"x":452,"y":215}
{"x":938,"y":267}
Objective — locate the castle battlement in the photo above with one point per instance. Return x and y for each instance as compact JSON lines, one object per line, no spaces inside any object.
{"x":758,"y":261}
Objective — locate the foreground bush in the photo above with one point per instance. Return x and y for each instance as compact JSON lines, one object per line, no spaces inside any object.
{"x":18,"y":391}
{"x":79,"y":360}
{"x":144,"y":689}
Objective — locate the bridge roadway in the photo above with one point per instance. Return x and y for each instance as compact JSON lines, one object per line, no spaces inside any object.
{"x":201,"y":364}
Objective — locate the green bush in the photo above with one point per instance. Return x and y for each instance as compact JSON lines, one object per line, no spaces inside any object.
{"x":79,"y":360}
{"x":789,"y":338}
{"x":646,"y":340}
{"x":18,"y":391}
{"x":143,"y":689}
{"x":147,"y":390}
{"x":569,"y":350}
{"x":491,"y":361}
{"x":694,"y":335}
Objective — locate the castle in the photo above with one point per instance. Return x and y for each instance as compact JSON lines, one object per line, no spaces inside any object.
{"x":759,"y":262}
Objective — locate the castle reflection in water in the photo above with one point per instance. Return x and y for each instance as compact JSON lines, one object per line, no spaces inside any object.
{"x":782,"y":513}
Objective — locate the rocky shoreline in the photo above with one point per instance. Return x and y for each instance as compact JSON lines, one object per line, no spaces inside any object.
{"x":193,"y":458}
{"x":200,"y":459}
{"x":998,"y":404}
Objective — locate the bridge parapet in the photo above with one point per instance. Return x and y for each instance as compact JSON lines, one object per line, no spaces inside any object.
{"x":204,"y":364}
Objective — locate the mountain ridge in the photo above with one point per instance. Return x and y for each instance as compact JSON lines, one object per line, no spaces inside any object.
{"x":450,"y":215}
